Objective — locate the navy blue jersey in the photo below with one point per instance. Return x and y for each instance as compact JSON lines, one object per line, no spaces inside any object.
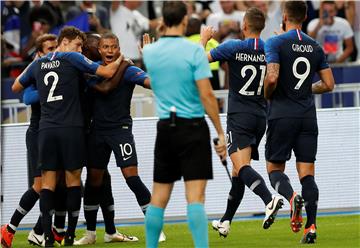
{"x":300,"y":57}
{"x":112,"y":111}
{"x":57,"y":77}
{"x":247,"y":68}
{"x":31,"y":97}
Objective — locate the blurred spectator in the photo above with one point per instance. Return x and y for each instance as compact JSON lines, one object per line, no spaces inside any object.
{"x":55,"y":8}
{"x":272,"y":11}
{"x":193,"y":34}
{"x":226,"y":23}
{"x":99,"y":20}
{"x":332,"y":33}
{"x":346,"y":9}
{"x":357,"y":27}
{"x":41,"y":20}
{"x":128,"y":25}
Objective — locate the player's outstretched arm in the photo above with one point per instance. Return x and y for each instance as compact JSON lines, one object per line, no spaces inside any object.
{"x":326,"y":83}
{"x":212,"y":109}
{"x":109,"y":70}
{"x":17,"y":87}
{"x":271,"y":79}
{"x":108,"y":85}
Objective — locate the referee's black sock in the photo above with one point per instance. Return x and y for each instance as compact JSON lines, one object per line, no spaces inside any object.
{"x":73,"y":204}
{"x":107,"y":205}
{"x":281,"y":183}
{"x":310,"y":194}
{"x":60,"y":207}
{"x":92,"y":196}
{"x":235,"y":196}
{"x":142,"y":193}
{"x":47,"y":205}
{"x":255,"y":182}
{"x":27,"y":202}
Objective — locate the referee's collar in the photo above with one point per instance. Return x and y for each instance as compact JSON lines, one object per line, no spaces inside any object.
{"x":172,"y":36}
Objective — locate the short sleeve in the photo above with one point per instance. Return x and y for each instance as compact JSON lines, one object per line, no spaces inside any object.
{"x":135,"y":75}
{"x":28,"y":77}
{"x":272,"y":50}
{"x":91,"y":80}
{"x":312,"y":24}
{"x":348,"y":32}
{"x":82,"y":63}
{"x":201,"y":64}
{"x":224,"y":51}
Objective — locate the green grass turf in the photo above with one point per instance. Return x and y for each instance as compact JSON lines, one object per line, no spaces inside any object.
{"x":333,"y":231}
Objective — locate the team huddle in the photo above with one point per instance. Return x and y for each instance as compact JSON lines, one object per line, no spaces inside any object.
{"x":80,"y":88}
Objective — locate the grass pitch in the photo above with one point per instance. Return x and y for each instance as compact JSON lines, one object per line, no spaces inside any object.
{"x":333,"y":231}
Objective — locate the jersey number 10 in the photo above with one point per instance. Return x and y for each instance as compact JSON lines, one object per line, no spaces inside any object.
{"x":243,"y":90}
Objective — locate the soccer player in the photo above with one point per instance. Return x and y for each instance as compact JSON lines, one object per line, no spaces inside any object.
{"x":179,"y":73}
{"x":111,"y":131}
{"x":44,"y":44}
{"x":293,"y":58}
{"x":61,"y":138}
{"x":246,"y":118}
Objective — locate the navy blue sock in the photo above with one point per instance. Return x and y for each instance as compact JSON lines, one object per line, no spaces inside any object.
{"x":235,"y":196}
{"x":47,"y":208}
{"x":91,"y":205}
{"x":107,"y":205}
{"x":310,"y":194}
{"x":27,"y":202}
{"x":38,"y":227}
{"x":255,"y":182}
{"x":60,"y":207}
{"x":143,"y":195}
{"x":281,"y":183}
{"x":73,"y":204}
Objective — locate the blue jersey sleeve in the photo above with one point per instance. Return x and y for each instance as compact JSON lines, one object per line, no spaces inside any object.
{"x":28,"y":77}
{"x":272,"y":50}
{"x":31,"y":95}
{"x":135,"y":75}
{"x":201,"y":65}
{"x":82,"y":63}
{"x":225,"y":50}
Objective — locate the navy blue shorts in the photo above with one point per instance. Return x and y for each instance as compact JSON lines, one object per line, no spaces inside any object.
{"x":182,"y":151}
{"x":33,"y":153}
{"x":100,"y":147}
{"x":287,"y":134}
{"x":61,"y":148}
{"x":244,"y":130}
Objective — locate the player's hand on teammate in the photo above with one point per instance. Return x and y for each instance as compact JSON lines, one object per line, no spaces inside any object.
{"x":220,"y":147}
{"x":119,"y":59}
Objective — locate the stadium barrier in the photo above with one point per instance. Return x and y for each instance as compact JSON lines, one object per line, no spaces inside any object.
{"x":350,"y":91}
{"x":337,"y":170}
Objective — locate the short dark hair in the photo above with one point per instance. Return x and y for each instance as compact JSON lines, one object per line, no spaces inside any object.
{"x":296,"y":11}
{"x":255,"y":19}
{"x":173,"y":12}
{"x":109,"y":35}
{"x":43,"y":38}
{"x":70,"y":33}
{"x":193,"y":27}
{"x":328,"y":2}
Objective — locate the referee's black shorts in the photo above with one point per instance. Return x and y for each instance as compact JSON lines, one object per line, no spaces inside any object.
{"x":182,"y":151}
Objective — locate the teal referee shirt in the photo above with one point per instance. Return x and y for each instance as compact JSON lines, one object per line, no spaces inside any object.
{"x":174,"y":64}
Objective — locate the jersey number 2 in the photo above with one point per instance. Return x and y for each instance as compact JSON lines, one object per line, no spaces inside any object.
{"x":243,"y":90}
{"x":51,"y":97}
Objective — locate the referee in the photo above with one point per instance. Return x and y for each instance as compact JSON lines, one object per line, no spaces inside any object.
{"x":179,"y":73}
